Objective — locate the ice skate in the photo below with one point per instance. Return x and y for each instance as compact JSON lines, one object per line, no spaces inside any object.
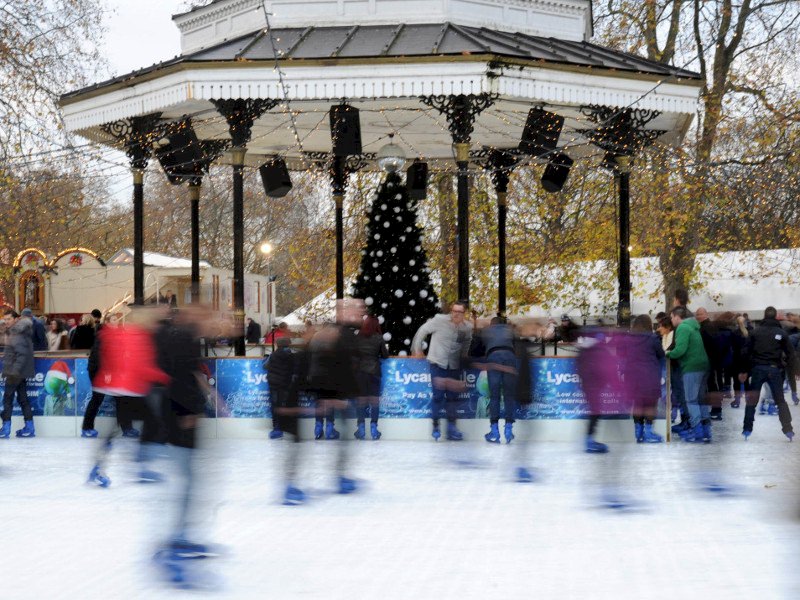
{"x":347,"y":486}
{"x":790,"y":435}
{"x":88,"y":433}
{"x":493,"y":435}
{"x":649,"y":436}
{"x":772,"y":410}
{"x":28,"y":431}
{"x":330,"y":431}
{"x":148,"y":476}
{"x":454,"y":435}
{"x":360,"y":432}
{"x":275,"y":434}
{"x":638,"y":432}
{"x":318,"y":430}
{"x":293,"y":496}
{"x":97,"y":478}
{"x":5,"y":430}
{"x":130,"y":433}
{"x":523,"y":475}
{"x":595,"y":447}
{"x":373,"y":431}
{"x":436,"y":434}
{"x":508,"y":432}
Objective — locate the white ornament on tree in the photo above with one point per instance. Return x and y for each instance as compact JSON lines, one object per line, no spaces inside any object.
{"x":368,"y":300}
{"x":398,"y":293}
{"x":387,"y":337}
{"x":407,"y":320}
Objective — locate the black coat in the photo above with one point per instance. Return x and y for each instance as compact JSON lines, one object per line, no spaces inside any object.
{"x":281,"y":369}
{"x":178,"y":355}
{"x":768,"y":345}
{"x":83,"y":337}
{"x":253,"y":335}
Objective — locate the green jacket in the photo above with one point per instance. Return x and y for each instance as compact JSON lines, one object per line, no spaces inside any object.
{"x":689,"y":350}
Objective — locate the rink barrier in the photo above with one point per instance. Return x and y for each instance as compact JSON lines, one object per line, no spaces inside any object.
{"x":238,"y":404}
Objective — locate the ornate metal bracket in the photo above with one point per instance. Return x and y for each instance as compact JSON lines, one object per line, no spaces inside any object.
{"x":620,"y":132}
{"x":461,"y":110}
{"x":340,"y":167}
{"x":500,"y":162}
{"x":241,"y":114}
{"x":212,"y":150}
{"x":138,"y":135}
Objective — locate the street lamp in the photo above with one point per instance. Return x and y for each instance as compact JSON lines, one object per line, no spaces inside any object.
{"x":266,"y":250}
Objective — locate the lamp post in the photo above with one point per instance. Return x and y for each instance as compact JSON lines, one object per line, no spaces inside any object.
{"x":266,"y":250}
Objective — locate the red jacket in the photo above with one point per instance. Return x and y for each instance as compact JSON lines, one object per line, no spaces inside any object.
{"x":127,"y":362}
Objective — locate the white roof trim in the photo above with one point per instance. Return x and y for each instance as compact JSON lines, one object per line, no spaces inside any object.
{"x":365,"y":81}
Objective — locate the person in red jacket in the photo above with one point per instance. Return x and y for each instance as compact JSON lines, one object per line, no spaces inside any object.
{"x":128,"y":371}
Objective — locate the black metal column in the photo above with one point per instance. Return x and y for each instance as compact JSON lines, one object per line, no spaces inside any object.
{"x":238,"y":248}
{"x":502,"y":209}
{"x":339,"y":185}
{"x":624,"y":270}
{"x":462,"y":220}
{"x":461,"y":111}
{"x":194,"y":198}
{"x":138,"y":236}
{"x":240,"y":114}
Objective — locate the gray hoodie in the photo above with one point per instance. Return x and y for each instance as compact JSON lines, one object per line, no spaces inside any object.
{"x":448,"y":342}
{"x":18,"y":359}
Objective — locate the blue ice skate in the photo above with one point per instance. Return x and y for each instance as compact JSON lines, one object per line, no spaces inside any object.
{"x":88,"y":433}
{"x":293,"y":496}
{"x":436,"y":432}
{"x":494,"y":434}
{"x":275,"y":434}
{"x":347,"y":486}
{"x":373,"y":431}
{"x":148,"y":476}
{"x":5,"y":430}
{"x":695,"y":434}
{"x":130,"y":433}
{"x":638,"y":432}
{"x":772,"y":410}
{"x":182,"y":573}
{"x":508,"y":432}
{"x":360,"y":432}
{"x":595,"y":447}
{"x":318,"y":430}
{"x":649,"y":436}
{"x":790,"y":435}
{"x":330,"y":431}
{"x":746,"y":434}
{"x":524,"y":475}
{"x":453,"y":434}
{"x":97,"y":478}
{"x":28,"y":431}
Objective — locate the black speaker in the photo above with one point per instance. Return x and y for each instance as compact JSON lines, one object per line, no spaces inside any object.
{"x":541,"y":133}
{"x":275,"y":177}
{"x":556,"y":172}
{"x":417,"y":180}
{"x":345,"y":130}
{"x":179,"y":156}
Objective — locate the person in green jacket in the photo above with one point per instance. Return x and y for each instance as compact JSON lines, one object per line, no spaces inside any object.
{"x":691,"y":355}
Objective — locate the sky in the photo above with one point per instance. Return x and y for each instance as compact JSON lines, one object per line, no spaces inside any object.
{"x":140,"y":33}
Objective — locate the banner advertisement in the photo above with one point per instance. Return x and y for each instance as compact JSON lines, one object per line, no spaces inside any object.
{"x":242,"y":390}
{"x":52,"y":390}
{"x":238,"y":388}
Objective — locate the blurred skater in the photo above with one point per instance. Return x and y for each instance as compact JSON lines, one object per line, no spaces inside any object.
{"x":449,"y":345}
{"x":371,"y":349}
{"x":642,"y":372}
{"x":17,"y":367}
{"x":128,"y":371}
{"x":502,"y":371}
{"x":332,"y":373}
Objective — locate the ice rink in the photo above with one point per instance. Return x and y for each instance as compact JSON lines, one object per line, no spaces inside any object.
{"x":432,"y":521}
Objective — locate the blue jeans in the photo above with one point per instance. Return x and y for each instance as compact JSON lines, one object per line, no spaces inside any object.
{"x":442,"y":397}
{"x":502,"y":385}
{"x":694,"y":389}
{"x":676,"y":386}
{"x":773,"y":377}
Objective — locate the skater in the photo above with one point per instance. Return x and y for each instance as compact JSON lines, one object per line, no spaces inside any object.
{"x":280,"y":368}
{"x":691,"y":355}
{"x":124,"y":419}
{"x":17,"y":367}
{"x":450,"y":341}
{"x":185,"y":406}
{"x":371,"y":349}
{"x":642,"y":371}
{"x":766,"y":353}
{"x":332,"y":373}
{"x":502,"y":372}
{"x":128,"y":371}
{"x":598,"y":368}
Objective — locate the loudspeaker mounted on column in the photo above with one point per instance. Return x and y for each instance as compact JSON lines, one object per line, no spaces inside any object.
{"x":556,"y":172}
{"x":179,"y":155}
{"x":275,"y":177}
{"x":345,"y":130}
{"x":417,"y":180}
{"x":541,"y":133}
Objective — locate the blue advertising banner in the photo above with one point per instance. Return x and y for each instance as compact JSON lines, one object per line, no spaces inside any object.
{"x":242,"y":390}
{"x":51,"y":391}
{"x":84,"y":390}
{"x":556,"y":390}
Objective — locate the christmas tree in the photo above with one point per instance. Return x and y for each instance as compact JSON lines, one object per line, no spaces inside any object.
{"x":394,"y":278}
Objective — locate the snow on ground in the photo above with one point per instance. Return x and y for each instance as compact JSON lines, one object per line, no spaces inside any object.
{"x":432,"y":521}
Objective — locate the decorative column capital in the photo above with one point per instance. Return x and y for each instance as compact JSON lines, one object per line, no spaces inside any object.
{"x":620,"y":132}
{"x":461,"y":110}
{"x":137,"y":135}
{"x":241,"y":114}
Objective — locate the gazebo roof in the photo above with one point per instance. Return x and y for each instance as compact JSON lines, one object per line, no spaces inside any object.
{"x":382,"y":59}
{"x":409,"y":41}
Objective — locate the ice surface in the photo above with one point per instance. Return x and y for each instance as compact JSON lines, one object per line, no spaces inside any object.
{"x":433,"y":521}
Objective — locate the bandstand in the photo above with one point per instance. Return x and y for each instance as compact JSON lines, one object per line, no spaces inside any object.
{"x":463,"y":85}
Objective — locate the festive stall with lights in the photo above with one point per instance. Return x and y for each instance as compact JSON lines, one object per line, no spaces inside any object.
{"x":463,"y":85}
